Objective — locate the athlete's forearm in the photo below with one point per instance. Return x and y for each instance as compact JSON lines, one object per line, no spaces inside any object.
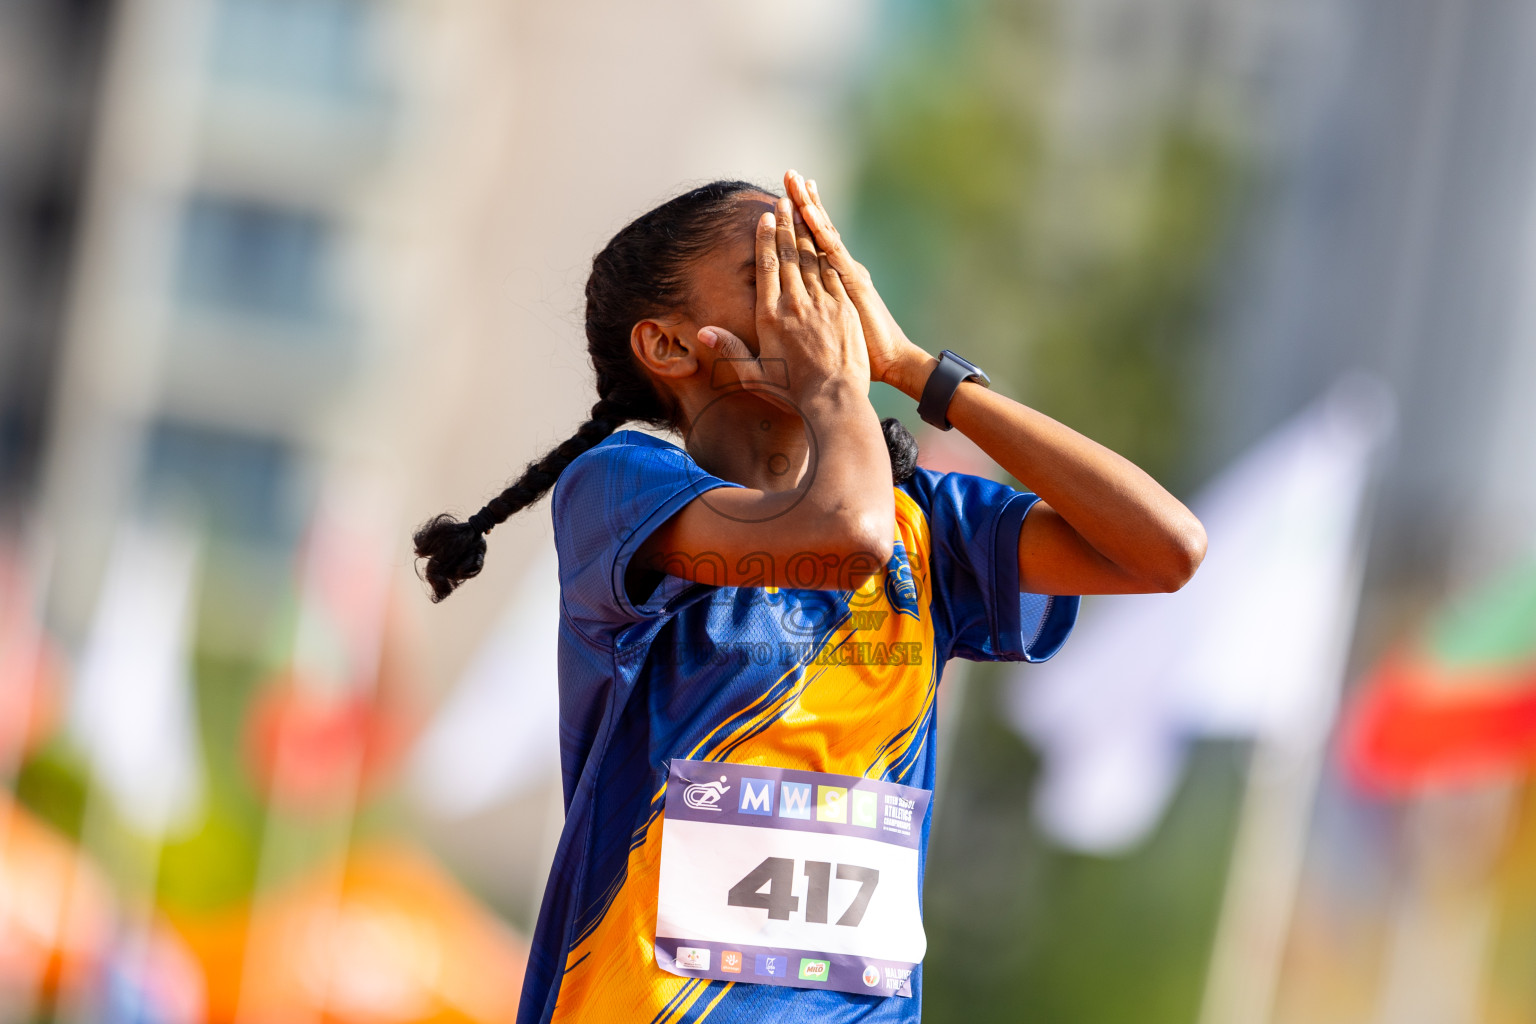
{"x":847,"y":487}
{"x":833,"y":531}
{"x":1146,"y":535}
{"x":1107,"y":527}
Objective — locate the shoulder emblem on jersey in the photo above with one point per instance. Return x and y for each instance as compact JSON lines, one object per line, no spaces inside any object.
{"x":900,"y":589}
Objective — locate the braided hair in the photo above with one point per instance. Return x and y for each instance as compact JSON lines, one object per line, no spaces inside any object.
{"x":641,"y":272}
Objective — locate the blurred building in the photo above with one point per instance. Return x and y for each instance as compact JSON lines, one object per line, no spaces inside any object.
{"x":216,"y":315}
{"x":50,"y":54}
{"x":1392,"y":232}
{"x":1386,"y":225}
{"x":249,"y":248}
{"x":346,"y":240}
{"x":1392,"y":229}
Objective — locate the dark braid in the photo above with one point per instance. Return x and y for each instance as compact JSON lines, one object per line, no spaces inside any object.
{"x":642,"y":272}
{"x":455,"y":551}
{"x":902,"y":447}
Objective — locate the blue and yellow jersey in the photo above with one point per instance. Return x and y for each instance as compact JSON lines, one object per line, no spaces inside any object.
{"x":839,"y":681}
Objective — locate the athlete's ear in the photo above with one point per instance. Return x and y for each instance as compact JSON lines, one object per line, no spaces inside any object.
{"x":664,"y":349}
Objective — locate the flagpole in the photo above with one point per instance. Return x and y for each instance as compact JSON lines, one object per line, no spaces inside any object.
{"x":23,"y":598}
{"x":127,"y":829}
{"x":1262,"y":883}
{"x":354,"y":514}
{"x":1446,"y":914}
{"x":1269,"y":852}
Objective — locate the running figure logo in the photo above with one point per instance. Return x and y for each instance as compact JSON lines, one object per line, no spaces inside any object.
{"x":705,"y":796}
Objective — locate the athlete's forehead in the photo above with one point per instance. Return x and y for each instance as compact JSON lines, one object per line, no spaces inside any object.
{"x":739,"y":239}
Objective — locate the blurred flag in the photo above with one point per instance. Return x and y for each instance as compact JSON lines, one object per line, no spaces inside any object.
{"x":320,"y":731}
{"x":345,"y":574}
{"x":131,"y":710}
{"x":497,"y":733}
{"x":1249,"y":648}
{"x":1457,"y":705}
{"x":29,"y":664}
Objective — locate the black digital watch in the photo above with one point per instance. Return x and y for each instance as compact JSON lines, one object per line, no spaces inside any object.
{"x":941,"y":386}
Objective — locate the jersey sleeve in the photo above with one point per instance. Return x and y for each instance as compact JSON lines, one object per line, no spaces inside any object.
{"x":605,"y":504}
{"x":974,"y":528}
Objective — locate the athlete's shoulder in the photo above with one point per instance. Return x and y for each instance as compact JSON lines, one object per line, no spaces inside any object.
{"x":633,"y":454}
{"x":921,"y":484}
{"x":628,"y":444}
{"x":620,"y":482}
{"x":958,"y":491}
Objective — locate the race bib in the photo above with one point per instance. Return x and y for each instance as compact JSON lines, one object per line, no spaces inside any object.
{"x":782,"y":877}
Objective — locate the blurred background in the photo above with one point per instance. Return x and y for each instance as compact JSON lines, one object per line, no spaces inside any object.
{"x":280,"y":279}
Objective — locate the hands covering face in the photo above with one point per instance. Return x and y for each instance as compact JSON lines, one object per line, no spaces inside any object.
{"x":809,"y":331}
{"x":803,"y":265}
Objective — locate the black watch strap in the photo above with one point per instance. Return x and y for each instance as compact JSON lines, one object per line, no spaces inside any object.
{"x":942,"y":384}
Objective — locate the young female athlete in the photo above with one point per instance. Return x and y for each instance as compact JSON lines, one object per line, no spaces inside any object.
{"x":752,"y":625}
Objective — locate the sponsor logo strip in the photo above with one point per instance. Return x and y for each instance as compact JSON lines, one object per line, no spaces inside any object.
{"x":791,"y":968}
{"x":783,"y":798}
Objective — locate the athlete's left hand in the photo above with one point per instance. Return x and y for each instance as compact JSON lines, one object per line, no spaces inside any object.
{"x":890,"y":350}
{"x":1103,"y":526}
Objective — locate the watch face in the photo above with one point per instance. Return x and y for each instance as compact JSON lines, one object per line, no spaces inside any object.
{"x":942,"y":382}
{"x":972,"y":367}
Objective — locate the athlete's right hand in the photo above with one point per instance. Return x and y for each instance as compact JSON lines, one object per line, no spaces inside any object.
{"x":808,"y":329}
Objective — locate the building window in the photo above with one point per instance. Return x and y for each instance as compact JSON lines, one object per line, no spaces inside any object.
{"x":254,"y":259}
{"x":243,"y":486}
{"x":317,"y":46}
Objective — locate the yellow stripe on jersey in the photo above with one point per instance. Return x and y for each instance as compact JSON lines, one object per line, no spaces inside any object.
{"x":853,"y":717}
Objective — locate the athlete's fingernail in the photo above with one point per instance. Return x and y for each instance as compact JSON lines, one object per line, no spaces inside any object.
{"x":708,"y":337}
{"x":811,"y":184}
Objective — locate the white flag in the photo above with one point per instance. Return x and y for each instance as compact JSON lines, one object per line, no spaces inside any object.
{"x":497,"y":734}
{"x":131,"y":709}
{"x":1246,"y":649}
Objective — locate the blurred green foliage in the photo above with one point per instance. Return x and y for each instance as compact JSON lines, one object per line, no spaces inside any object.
{"x":1077,"y":275}
{"x":1022,"y":930}
{"x":52,"y":782}
{"x":211,"y":865}
{"x":1076,"y":268}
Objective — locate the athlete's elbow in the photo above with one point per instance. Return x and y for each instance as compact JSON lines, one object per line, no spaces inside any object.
{"x":1184,"y":551}
{"x":866,"y":542}
{"x":878,"y":545}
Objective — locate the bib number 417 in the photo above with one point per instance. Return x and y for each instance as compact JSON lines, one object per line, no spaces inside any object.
{"x":777,"y":874}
